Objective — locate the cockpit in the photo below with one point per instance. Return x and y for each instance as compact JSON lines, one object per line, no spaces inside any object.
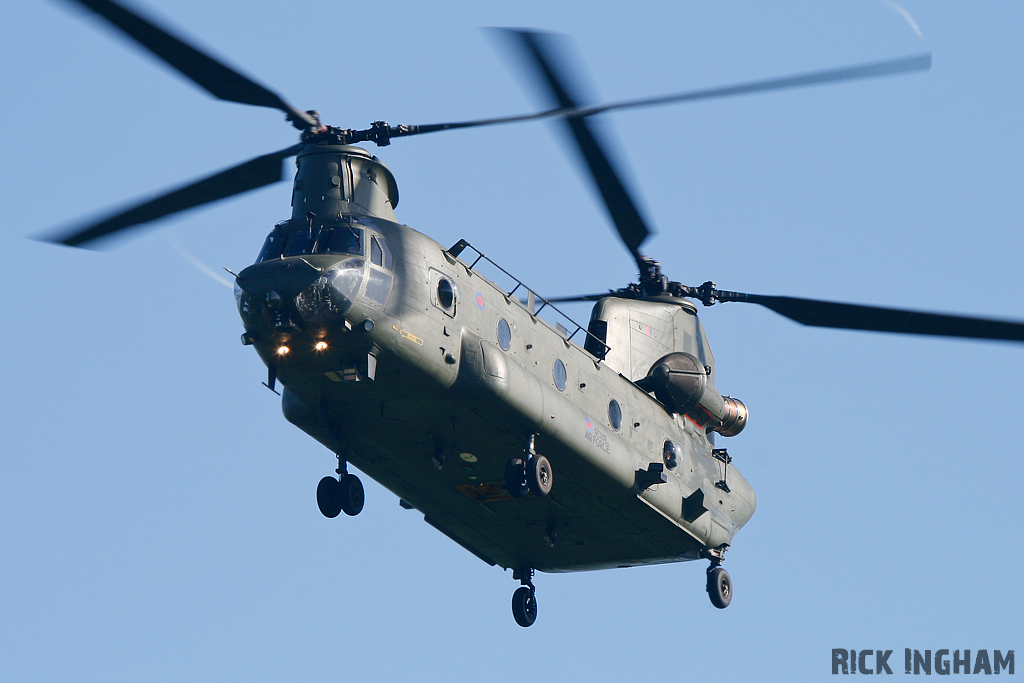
{"x":344,"y":237}
{"x":364,"y":269}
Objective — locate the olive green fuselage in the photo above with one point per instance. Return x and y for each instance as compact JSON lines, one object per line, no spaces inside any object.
{"x":419,"y":384}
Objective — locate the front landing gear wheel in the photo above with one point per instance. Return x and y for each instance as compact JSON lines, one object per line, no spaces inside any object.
{"x":328,"y":497}
{"x":515,"y":478}
{"x":524,"y":606}
{"x":350,"y":495}
{"x":719,"y":587}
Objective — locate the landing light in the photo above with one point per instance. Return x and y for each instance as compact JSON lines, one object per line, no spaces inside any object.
{"x":282,"y":350}
{"x":320,"y":345}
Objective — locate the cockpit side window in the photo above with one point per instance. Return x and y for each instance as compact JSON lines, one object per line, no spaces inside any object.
{"x":376,"y":255}
{"x":378,"y":283}
{"x":273,"y":247}
{"x":380,"y":255}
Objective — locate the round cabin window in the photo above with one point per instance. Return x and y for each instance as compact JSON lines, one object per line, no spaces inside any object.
{"x":445,"y":293}
{"x":614,"y":415}
{"x":504,"y":334}
{"x":559,"y":374}
{"x":670,"y":454}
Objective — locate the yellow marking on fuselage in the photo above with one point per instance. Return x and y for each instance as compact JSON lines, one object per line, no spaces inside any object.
{"x":408,"y":335}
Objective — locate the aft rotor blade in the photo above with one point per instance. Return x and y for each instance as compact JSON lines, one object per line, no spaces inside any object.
{"x":581,"y":297}
{"x":891,"y":67}
{"x":879,"y":319}
{"x":542,"y":51}
{"x":215,"y":77}
{"x":244,"y":177}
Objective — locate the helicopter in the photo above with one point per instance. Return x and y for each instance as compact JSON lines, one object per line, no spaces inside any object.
{"x":537,"y":448}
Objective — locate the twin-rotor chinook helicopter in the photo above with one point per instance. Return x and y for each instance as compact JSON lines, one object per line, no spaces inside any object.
{"x":530,"y":451}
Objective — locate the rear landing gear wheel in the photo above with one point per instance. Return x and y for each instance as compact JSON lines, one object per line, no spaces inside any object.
{"x":515,"y":478}
{"x":328,"y":497}
{"x":350,"y":495}
{"x":538,"y":475}
{"x":719,"y":587}
{"x":524,"y":606}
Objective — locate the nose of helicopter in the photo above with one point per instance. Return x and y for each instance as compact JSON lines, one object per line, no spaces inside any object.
{"x":287,"y":277}
{"x":305,"y":291}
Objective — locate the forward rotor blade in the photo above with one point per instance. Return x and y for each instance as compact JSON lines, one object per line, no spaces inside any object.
{"x":878,"y":319}
{"x":542,"y":51}
{"x":872,"y":70}
{"x":215,"y":77}
{"x":246,"y":176}
{"x":891,"y":67}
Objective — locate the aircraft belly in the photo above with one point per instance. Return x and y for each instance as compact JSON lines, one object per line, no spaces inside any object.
{"x":592,"y":518}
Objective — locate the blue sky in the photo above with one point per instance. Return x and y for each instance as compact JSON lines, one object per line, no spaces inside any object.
{"x":158,"y":513}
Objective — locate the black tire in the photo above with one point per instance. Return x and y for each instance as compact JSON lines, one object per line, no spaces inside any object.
{"x":719,"y":588}
{"x":351,"y":495}
{"x":524,"y":606}
{"x":515,"y":478}
{"x":539,"y":476}
{"x":328,"y":497}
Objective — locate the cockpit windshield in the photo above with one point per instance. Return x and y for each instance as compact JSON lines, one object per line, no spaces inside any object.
{"x":341,"y":238}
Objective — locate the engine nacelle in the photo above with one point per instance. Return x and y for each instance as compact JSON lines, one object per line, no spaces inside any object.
{"x":680,"y":381}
